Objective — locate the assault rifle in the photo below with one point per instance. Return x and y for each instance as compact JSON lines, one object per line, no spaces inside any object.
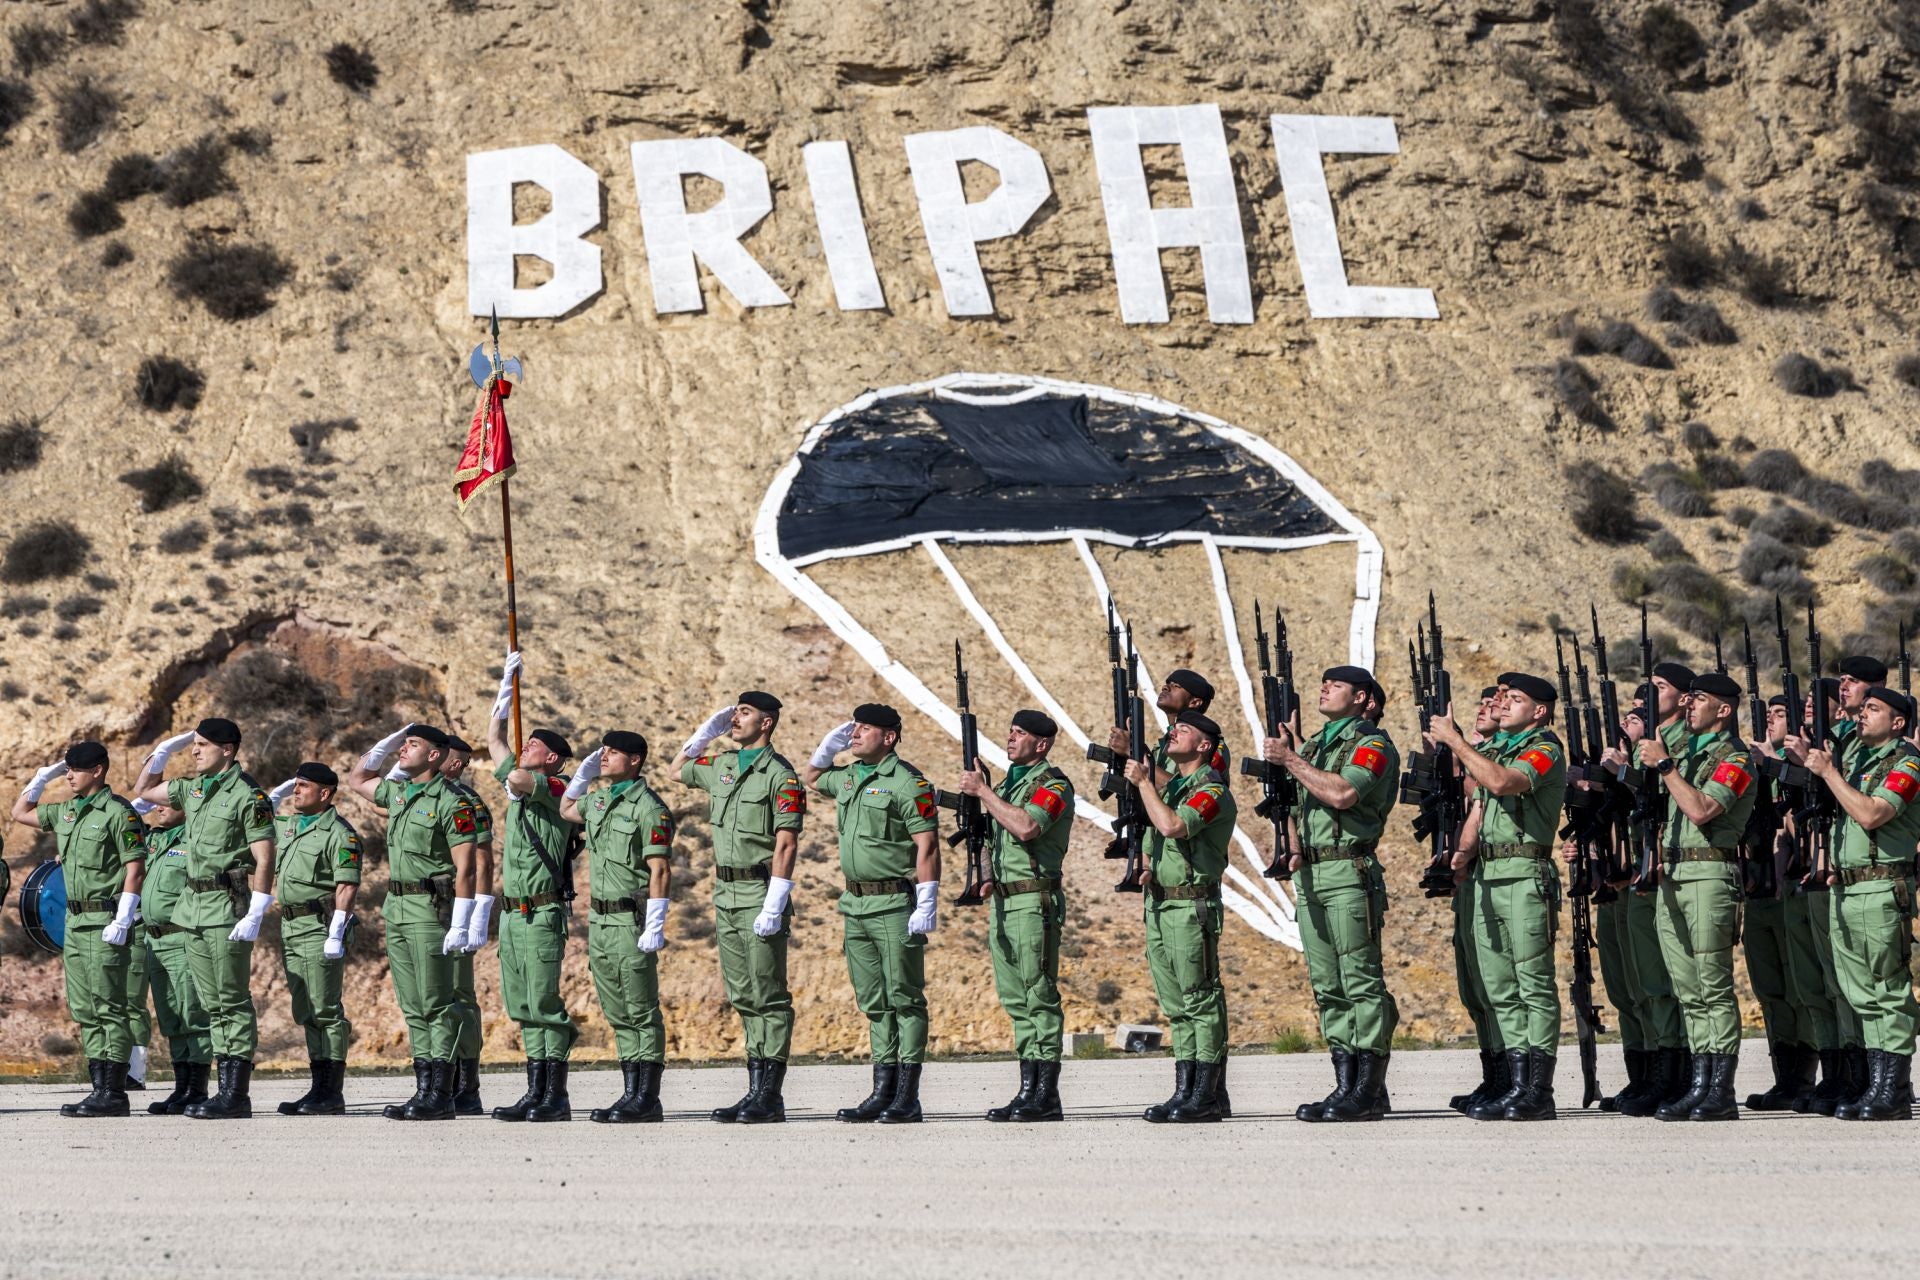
{"x":971,"y":824}
{"x":1906,"y":667}
{"x":1581,"y":805}
{"x":1794,"y":781}
{"x":1757,"y":877}
{"x":1603,"y":725}
{"x":1432,"y":779}
{"x":1279,"y":793}
{"x":1130,"y":709}
{"x":1817,"y":818}
{"x":1649,"y":813}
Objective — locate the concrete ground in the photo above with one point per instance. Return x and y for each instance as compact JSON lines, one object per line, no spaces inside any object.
{"x":1425,"y":1192}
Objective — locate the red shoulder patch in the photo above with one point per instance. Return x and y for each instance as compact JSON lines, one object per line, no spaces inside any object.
{"x":1540,"y":761}
{"x":463,"y":820}
{"x":662,"y":832}
{"x":1203,"y":803}
{"x":1371,"y":760}
{"x":704,"y":760}
{"x":791,"y":799}
{"x":1219,"y":761}
{"x":1902,"y":784}
{"x":1732,"y":775}
{"x":925,"y":804}
{"x":1050,"y":800}
{"x":556,"y":787}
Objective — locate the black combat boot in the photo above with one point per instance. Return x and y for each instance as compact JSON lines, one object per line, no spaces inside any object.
{"x":1893,"y":1099}
{"x":1536,"y":1100}
{"x":1832,"y":1089}
{"x":96,"y":1076}
{"x":235,"y":1100}
{"x":554,"y":1105}
{"x":1718,"y":1102}
{"x":1859,"y":1074}
{"x":1636,"y":1076}
{"x":316,"y":1072}
{"x":1202,"y":1103}
{"x":437,"y":1102}
{"x":727,"y":1115}
{"x":1045,"y":1103}
{"x":466,"y":1088}
{"x":1877,"y":1069}
{"x":766,"y":1104}
{"x":1666,"y":1080}
{"x":328,"y":1098}
{"x":1789,"y":1078}
{"x":1495,"y":1108}
{"x":1182,"y":1085}
{"x":1366,"y":1095}
{"x":645,"y":1107}
{"x":176,"y":1102}
{"x":1681,"y":1107}
{"x":886,"y":1081}
{"x":110,"y":1095}
{"x":1220,"y":1097}
{"x":1494,"y":1081}
{"x":630,"y":1090}
{"x":398,"y":1110}
{"x":1342,"y":1084}
{"x":905,"y":1107}
{"x":1028,"y":1070}
{"x":536,"y":1085}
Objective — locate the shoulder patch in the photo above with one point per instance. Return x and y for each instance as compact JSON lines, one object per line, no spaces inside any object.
{"x":790,"y":797}
{"x":1369,"y":757}
{"x":1539,"y":759}
{"x":556,"y":785}
{"x":1732,"y":775}
{"x":1205,"y":803}
{"x":662,"y":833}
{"x":1050,"y":800}
{"x":463,"y":822}
{"x":1902,"y":781}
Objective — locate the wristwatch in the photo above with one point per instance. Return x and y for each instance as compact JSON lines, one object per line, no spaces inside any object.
{"x":1665,"y":767}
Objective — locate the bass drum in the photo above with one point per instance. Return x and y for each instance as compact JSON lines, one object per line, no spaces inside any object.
{"x":43,"y":907}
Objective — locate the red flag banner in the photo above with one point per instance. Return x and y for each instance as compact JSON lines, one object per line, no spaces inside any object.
{"x":488,"y":456}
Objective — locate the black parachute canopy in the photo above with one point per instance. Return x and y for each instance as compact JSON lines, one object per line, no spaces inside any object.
{"x":919,"y":464}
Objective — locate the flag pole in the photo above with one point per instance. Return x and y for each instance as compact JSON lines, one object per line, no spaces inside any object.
{"x":513,"y":618}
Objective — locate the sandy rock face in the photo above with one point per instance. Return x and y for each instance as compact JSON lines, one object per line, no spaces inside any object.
{"x":275,"y":537}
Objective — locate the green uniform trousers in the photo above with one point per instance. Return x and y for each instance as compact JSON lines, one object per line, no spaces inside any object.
{"x":1466,"y":960}
{"x":223,"y":981}
{"x":1659,"y":1011}
{"x":182,"y":1018}
{"x":1515,"y":924}
{"x":1846,"y":1018}
{"x":1616,"y":972}
{"x":314,"y":983}
{"x":1872,"y":955}
{"x":627,"y":980}
{"x":466,"y":998}
{"x":1183,"y":955}
{"x":139,"y":1024}
{"x":1023,"y":937}
{"x":423,"y":984}
{"x":1341,"y":908}
{"x":1763,"y":936}
{"x":754,"y":970}
{"x":97,"y":991}
{"x":1806,"y":980}
{"x":532,"y":949}
{"x":1699,"y":923}
{"x":888,"y":967}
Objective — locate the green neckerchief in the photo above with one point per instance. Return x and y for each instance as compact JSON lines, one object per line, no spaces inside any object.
{"x":83,"y":803}
{"x":1015,"y":772}
{"x":748,"y":755}
{"x":861,"y":772}
{"x":210,"y":782}
{"x":415,"y":788}
{"x":621,"y":788}
{"x":307,"y":820}
{"x":1333,"y":729}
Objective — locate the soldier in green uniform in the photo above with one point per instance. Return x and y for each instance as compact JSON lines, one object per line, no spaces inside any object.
{"x":182,"y":1018}
{"x":536,"y":877}
{"x":1710,"y":790}
{"x":1494,"y":1079}
{"x":757,"y":806}
{"x":1873,"y":903}
{"x":1032,"y":816}
{"x":1510,"y":828}
{"x":1191,"y":820}
{"x":889,"y":826}
{"x":1350,"y":774}
{"x":1181,"y":691}
{"x":629,"y":838}
{"x":1766,"y":935}
{"x":229,"y":842}
{"x":429,"y":903}
{"x":319,"y":861}
{"x":466,"y":1090}
{"x":102,"y":853}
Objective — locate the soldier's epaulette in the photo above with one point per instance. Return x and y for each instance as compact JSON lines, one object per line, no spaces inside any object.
{"x":912,"y":768}
{"x":248,"y":779}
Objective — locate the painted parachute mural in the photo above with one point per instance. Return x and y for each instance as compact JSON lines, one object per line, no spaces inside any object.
{"x":968,"y":459}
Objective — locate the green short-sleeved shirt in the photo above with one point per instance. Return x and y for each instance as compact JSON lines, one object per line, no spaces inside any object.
{"x":522,"y":872}
{"x":226,"y":813}
{"x":750,"y":803}
{"x":1045,"y":795}
{"x":1889,"y":772}
{"x":1207,"y":810}
{"x":623,"y":832}
{"x":1361,"y":753}
{"x":425,"y":823}
{"x":94,"y":837}
{"x":166,"y":873}
{"x":315,"y":853}
{"x":1721,"y":766}
{"x":1533,"y":816}
{"x":879,"y":811}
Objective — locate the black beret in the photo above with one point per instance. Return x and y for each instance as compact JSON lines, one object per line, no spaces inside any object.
{"x":428,"y":734}
{"x":1674,"y":674}
{"x":86,"y":755}
{"x":1358,"y":677}
{"x":1717,"y":683}
{"x":1202,"y":723}
{"x":627,"y":741}
{"x":1533,"y":686}
{"x":1491,"y":691}
{"x":760,"y":701}
{"x":552,"y":742}
{"x":220,"y":731}
{"x":877,"y":714}
{"x":1897,"y":702}
{"x":1861,"y":667}
{"x":457,"y":743}
{"x":1193,"y":682}
{"x":1780,"y":700}
{"x":314,"y":771}
{"x":1037,"y":723}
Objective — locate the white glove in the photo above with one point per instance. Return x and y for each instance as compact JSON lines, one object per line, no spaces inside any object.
{"x":157,"y":762}
{"x":477,"y":927}
{"x":247,"y":928}
{"x":281,"y":792}
{"x":716,"y":724}
{"x":583,"y":776}
{"x":926,"y":907}
{"x":41,"y":778}
{"x":335,"y":947}
{"x":654,"y":936}
{"x":832,"y":745}
{"x":397,"y":774}
{"x":115,"y":934}
{"x":456,"y":939}
{"x":144,"y":807}
{"x":503,"y":700}
{"x":383,"y":750}
{"x":137,"y":1064}
{"x":767,"y":923}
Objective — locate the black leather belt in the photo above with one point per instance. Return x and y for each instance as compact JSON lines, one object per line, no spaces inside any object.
{"x":1183,"y":892}
{"x":761,"y":871}
{"x":1357,"y":851}
{"x":77,"y":907}
{"x":1018,"y":888}
{"x":877,"y":888}
{"x":155,"y":930}
{"x":614,"y":906}
{"x":404,"y":888}
{"x":526,"y":905}
{"x":318,"y":908}
{"x":222,"y":883}
{"x":1702,"y":854}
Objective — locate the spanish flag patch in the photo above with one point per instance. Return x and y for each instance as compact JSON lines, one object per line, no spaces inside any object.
{"x":1203,"y":803}
{"x":1049,"y":800}
{"x":1732,"y":775}
{"x":1371,"y":760}
{"x":1539,"y":761}
{"x":1902,"y":783}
